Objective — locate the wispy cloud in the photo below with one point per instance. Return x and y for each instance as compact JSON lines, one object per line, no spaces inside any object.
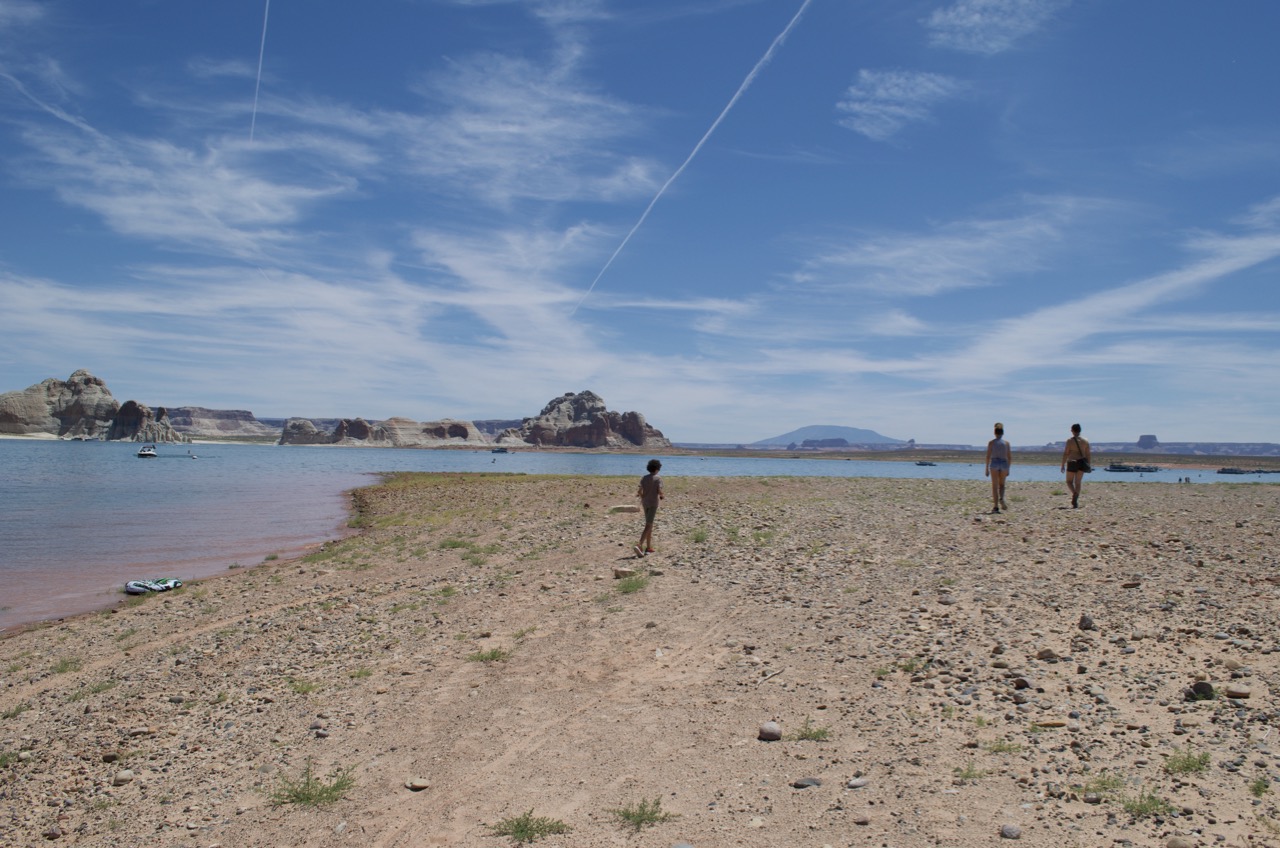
{"x":881,"y":103}
{"x":1058,"y":335}
{"x":989,"y":26}
{"x":955,"y":255}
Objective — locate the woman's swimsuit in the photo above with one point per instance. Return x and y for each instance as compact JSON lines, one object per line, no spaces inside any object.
{"x":999,"y":455}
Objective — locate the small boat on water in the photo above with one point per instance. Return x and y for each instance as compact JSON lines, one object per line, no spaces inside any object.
{"x":499,"y":450}
{"x":1126,"y":467}
{"x":925,"y":462}
{"x":147,"y":452}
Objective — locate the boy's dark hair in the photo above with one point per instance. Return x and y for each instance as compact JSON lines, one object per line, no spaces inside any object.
{"x":653,"y":465}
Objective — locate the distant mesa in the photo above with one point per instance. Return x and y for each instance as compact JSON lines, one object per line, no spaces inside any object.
{"x":1148,"y":442}
{"x":820,"y":436}
{"x":582,"y":421}
{"x":200,"y":423}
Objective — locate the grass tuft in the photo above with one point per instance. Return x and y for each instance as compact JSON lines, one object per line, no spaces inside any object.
{"x":14,"y":712}
{"x":643,"y":814}
{"x":310,"y":790}
{"x":1146,"y":803}
{"x":809,"y":733}
{"x":527,"y":827}
{"x":631,"y":585}
{"x":67,"y":664}
{"x":1185,"y":762}
{"x":489,"y":656}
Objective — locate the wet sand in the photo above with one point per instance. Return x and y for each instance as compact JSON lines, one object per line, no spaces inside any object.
{"x":939,"y":674}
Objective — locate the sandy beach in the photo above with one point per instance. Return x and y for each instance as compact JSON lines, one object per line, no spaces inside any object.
{"x":939,"y":675}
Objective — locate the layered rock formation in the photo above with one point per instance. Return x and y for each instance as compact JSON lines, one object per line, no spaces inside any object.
{"x":137,"y":422}
{"x":392,"y":433}
{"x":582,"y":421}
{"x":201,"y":423}
{"x":79,"y":407}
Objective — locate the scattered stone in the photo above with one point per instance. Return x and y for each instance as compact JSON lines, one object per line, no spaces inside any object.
{"x":1179,"y":842}
{"x":856,"y":783}
{"x":1010,"y":831}
{"x":806,"y":782}
{"x":620,"y":572}
{"x":1235,"y":690}
{"x":1086,"y":623}
{"x":417,"y":784}
{"x":122,"y":777}
{"x":770,"y":731}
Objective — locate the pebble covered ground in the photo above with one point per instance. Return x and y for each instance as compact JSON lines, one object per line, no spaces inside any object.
{"x":803,"y":662}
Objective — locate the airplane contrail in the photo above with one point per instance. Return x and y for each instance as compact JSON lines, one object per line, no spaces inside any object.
{"x":746,"y":83}
{"x":262,"y":49}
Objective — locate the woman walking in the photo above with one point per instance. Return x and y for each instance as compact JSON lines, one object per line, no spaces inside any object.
{"x":1076,"y":461}
{"x":999,"y":458}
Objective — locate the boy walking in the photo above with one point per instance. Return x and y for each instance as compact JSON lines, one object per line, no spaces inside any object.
{"x":649,"y":493}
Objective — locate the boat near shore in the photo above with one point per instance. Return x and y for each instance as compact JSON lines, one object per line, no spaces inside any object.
{"x":147,"y":452}
{"x":925,"y":462}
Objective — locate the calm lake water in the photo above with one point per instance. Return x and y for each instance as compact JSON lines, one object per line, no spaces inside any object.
{"x":79,"y":519}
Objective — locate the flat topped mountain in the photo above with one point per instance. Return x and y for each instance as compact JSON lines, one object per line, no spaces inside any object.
{"x":829,"y":433}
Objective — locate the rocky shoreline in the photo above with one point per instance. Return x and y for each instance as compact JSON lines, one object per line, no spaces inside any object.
{"x":937,"y":675}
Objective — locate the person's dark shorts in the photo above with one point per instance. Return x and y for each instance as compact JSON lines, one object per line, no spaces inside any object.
{"x":650,"y":513}
{"x":1073,"y":465}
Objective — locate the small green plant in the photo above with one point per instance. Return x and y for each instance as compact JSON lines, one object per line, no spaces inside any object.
{"x":1186,"y":762}
{"x":981,"y":721}
{"x":643,"y":814}
{"x":220,"y":698}
{"x":361,"y":672}
{"x":66,"y":664}
{"x":1002,"y":746}
{"x":631,"y":585}
{"x":1259,"y":787}
{"x":914,"y":664}
{"x":7,"y":758}
{"x":93,"y":689}
{"x":527,"y":827}
{"x":271,"y":558}
{"x":809,"y":733}
{"x":699,"y":535}
{"x":489,"y":656}
{"x":882,"y":672}
{"x":125,"y":634}
{"x":520,"y":634}
{"x":1146,"y":803}
{"x":312,"y":791}
{"x":303,"y":687}
{"x":14,"y":712}
{"x":969,"y":772}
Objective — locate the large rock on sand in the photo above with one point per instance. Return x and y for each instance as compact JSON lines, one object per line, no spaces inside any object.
{"x":582,"y":421}
{"x":79,"y":407}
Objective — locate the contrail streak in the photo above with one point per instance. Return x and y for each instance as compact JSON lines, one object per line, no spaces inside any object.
{"x":262,"y":49}
{"x":746,"y":83}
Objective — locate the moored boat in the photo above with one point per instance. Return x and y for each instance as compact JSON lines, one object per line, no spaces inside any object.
{"x":147,"y":452}
{"x":1127,"y":467}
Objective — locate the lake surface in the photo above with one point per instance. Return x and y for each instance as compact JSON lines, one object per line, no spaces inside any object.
{"x":79,"y":519}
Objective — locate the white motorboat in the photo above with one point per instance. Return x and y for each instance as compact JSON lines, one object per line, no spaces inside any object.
{"x":147,"y":451}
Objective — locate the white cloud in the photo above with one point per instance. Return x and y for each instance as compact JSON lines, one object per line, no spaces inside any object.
{"x":881,"y":103}
{"x":989,"y":26}
{"x":957,"y":255}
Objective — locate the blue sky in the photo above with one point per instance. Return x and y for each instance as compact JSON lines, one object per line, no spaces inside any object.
{"x":738,"y":217}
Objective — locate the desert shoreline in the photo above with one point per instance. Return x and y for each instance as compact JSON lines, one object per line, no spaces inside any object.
{"x":471,"y":636}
